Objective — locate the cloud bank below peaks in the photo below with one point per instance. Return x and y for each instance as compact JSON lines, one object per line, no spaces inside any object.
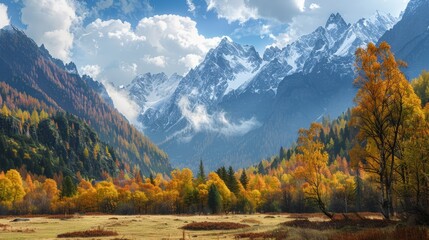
{"x":201,"y":121}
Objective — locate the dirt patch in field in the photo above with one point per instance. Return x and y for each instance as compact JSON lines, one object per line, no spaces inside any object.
{"x":251,"y":220}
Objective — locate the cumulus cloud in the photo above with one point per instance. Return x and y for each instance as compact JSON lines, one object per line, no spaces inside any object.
{"x":235,"y":10}
{"x":49,"y":22}
{"x":4,"y":19}
{"x":158,"y":61}
{"x":162,"y":43}
{"x":200,"y":120}
{"x":191,"y":60}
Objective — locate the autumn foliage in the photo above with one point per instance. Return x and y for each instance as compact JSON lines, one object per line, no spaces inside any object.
{"x":371,"y":158}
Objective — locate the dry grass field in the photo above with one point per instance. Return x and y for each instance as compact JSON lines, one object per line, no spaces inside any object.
{"x":169,"y":227}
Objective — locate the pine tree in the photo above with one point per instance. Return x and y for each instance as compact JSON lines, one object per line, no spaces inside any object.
{"x":282,"y":154}
{"x":222,"y":173}
{"x":214,"y":199}
{"x":261,"y":169}
{"x":232,"y":183}
{"x":152,"y":181}
{"x":243,"y":179}
{"x":68,"y":187}
{"x":201,"y":174}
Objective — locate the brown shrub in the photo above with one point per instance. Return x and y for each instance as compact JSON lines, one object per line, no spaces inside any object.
{"x":400,"y":233}
{"x":214,"y":226}
{"x":339,"y":224}
{"x":89,"y":233}
{"x":411,"y":233}
{"x":4,"y":225}
{"x":277,"y":234}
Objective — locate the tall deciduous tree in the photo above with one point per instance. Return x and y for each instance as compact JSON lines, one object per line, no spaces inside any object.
{"x":385,"y":103}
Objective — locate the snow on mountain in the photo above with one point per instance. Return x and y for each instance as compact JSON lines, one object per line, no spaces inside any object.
{"x":223,"y":70}
{"x":151,"y":90}
{"x":233,"y":69}
{"x":365,"y":31}
{"x":336,"y":39}
{"x":231,"y":93}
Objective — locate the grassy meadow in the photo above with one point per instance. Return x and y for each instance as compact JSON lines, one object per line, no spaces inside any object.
{"x":170,"y":227}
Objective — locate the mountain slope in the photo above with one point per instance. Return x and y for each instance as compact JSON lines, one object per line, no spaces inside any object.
{"x":31,"y":70}
{"x":409,"y":38}
{"x":150,"y":91}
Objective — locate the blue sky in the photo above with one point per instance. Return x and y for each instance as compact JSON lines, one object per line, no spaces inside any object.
{"x":114,"y":40}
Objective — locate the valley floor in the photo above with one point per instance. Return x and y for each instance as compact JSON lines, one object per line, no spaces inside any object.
{"x":158,"y":226}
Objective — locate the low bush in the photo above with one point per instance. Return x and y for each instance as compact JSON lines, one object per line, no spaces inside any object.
{"x":277,"y":235}
{"x":214,"y":226}
{"x":339,"y":224}
{"x":88,"y":233}
{"x":400,"y":233}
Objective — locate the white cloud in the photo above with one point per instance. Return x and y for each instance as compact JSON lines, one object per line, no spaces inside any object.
{"x":191,"y":60}
{"x":191,"y":6}
{"x":234,"y":10}
{"x":314,"y":6}
{"x":124,"y":105}
{"x":351,"y":11}
{"x":200,"y":120}
{"x":158,"y":61}
{"x":280,"y":40}
{"x":91,"y":70}
{"x":49,"y":22}
{"x":4,"y":19}
{"x":162,"y":43}
{"x":244,"y":10}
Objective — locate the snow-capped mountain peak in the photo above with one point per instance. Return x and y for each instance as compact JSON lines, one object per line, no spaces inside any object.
{"x":335,"y":21}
{"x":364,"y":31}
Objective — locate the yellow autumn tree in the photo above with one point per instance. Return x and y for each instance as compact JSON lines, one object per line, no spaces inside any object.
{"x":385,"y":104}
{"x":17,"y":190}
{"x":312,"y":160}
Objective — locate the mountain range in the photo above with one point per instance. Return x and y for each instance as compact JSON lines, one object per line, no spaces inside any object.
{"x":237,"y":107}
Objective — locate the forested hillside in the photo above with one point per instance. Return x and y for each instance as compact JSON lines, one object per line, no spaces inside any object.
{"x":46,"y":145}
{"x":29,"y":72}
